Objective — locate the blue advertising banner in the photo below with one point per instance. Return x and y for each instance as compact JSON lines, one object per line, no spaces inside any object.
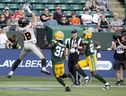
{"x":31,"y":65}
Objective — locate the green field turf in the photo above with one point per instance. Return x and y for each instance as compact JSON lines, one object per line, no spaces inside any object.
{"x":48,"y":86}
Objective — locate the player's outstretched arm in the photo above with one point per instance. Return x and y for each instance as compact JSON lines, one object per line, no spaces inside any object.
{"x":33,"y":15}
{"x":46,"y":43}
{"x":64,"y":54}
{"x":33,"y":19}
{"x":82,"y":52}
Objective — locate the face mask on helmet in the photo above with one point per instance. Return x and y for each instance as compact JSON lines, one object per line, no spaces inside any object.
{"x":23,"y":22}
{"x":59,"y":35}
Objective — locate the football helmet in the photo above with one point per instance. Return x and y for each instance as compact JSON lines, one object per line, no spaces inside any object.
{"x":59,"y":35}
{"x":23,"y":22}
{"x":87,"y":34}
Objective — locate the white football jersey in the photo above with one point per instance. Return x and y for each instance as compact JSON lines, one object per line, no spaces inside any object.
{"x":3,"y":38}
{"x":28,"y":34}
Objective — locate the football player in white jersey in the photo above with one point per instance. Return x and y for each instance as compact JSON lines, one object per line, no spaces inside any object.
{"x":27,"y":29}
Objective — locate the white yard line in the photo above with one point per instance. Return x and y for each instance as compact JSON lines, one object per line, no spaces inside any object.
{"x":93,"y":86}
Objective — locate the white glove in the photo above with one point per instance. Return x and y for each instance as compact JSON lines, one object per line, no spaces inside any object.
{"x":72,"y":50}
{"x":27,"y":8}
{"x":109,"y":49}
{"x":98,"y":55}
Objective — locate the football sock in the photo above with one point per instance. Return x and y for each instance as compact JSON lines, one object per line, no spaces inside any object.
{"x":81,"y":71}
{"x":60,"y":81}
{"x":64,"y":76}
{"x":44,"y":62}
{"x":15,"y":65}
{"x":99,"y":78}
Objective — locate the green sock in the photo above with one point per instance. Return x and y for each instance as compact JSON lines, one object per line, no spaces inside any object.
{"x":81,"y":71}
{"x":100,"y":78}
{"x":60,"y":81}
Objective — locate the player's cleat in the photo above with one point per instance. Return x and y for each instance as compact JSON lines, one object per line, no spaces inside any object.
{"x":77,"y":83}
{"x":122,"y":82}
{"x":107,"y":86}
{"x":43,"y":70}
{"x":87,"y":80}
{"x":118,"y":83}
{"x":10,"y":74}
{"x":67,"y":89}
{"x":71,"y":77}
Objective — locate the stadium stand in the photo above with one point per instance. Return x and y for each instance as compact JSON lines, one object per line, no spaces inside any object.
{"x":38,"y":5}
{"x":13,"y":6}
{"x":8,"y":1}
{"x":70,"y":1}
{"x":20,"y":1}
{"x":57,"y":1}
{"x":45,"y":1}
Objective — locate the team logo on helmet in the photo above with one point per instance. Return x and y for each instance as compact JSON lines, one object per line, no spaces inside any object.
{"x":87,"y":34}
{"x":59,"y":35}
{"x":23,"y":22}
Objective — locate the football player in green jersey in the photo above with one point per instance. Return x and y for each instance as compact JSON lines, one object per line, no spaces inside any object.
{"x":91,"y":60}
{"x":58,"y":55}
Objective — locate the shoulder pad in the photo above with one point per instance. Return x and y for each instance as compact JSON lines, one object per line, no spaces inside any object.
{"x":54,"y":41}
{"x":85,"y":42}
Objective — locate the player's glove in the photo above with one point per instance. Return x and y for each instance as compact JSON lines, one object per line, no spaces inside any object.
{"x":27,"y":9}
{"x":72,"y":50}
{"x":98,"y":55}
{"x":109,"y":49}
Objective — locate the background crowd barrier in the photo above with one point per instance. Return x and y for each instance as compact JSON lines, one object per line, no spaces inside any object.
{"x":31,"y":65}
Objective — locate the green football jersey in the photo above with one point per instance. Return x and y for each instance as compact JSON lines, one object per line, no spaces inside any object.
{"x":90,"y":46}
{"x":57,"y":52}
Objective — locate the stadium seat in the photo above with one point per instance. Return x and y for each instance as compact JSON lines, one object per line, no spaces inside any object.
{"x":35,"y":11}
{"x":7,"y":1}
{"x":70,"y":1}
{"x":76,"y":7}
{"x":45,"y":1}
{"x":109,"y":19}
{"x":33,"y":1}
{"x":80,"y":13}
{"x":58,"y":1}
{"x":29,"y":18}
{"x":40,"y":12}
{"x":51,"y":6}
{"x":2,"y":6}
{"x":1,"y":11}
{"x":68,"y":13}
{"x":20,"y":1}
{"x":64,"y":7}
{"x":13,"y":6}
{"x":108,"y":14}
{"x":38,"y":6}
{"x":81,"y":1}
{"x":92,"y":13}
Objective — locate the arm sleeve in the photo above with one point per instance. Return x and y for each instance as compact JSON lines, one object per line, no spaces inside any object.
{"x":66,"y":43}
{"x":5,"y":37}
